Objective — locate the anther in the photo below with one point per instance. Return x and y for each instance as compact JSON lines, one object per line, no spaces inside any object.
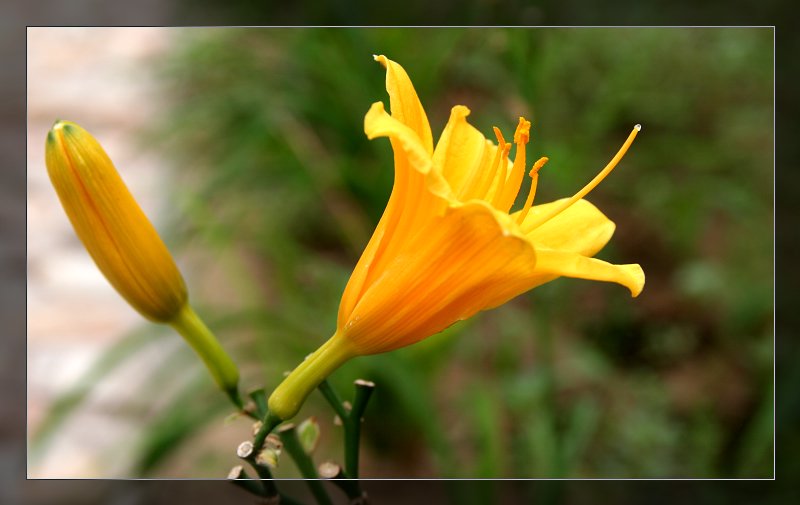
{"x":505,"y":198}
{"x":538,"y":165}
{"x":523,"y":132}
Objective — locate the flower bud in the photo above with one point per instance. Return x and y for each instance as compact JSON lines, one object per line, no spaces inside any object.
{"x":112,"y":227}
{"x":124,"y":244}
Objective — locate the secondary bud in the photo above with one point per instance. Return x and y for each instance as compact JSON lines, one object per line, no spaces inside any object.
{"x":109,"y":222}
{"x":124,"y":244}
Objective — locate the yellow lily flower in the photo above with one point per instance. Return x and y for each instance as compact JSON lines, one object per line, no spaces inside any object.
{"x":123,"y":243}
{"x":448,"y":245}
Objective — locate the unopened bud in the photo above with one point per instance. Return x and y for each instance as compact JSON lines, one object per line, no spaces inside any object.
{"x":111,"y":225}
{"x":123,"y":243}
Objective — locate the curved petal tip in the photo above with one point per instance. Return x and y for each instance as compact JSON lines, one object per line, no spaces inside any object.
{"x":635,"y":278}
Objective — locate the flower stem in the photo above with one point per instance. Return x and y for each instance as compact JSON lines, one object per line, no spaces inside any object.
{"x":304,"y":464}
{"x":286,"y":400}
{"x":333,"y":399}
{"x":350,"y":420}
{"x":205,"y":344}
{"x":269,"y":423}
{"x":352,"y":426}
{"x":352,"y":430}
{"x":259,"y":398}
{"x":239,"y":477}
{"x":248,"y":452}
{"x":350,"y":487}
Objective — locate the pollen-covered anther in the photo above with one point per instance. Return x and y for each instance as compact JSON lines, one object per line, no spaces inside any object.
{"x":505,"y":197}
{"x":523,"y":132}
{"x":538,"y":165}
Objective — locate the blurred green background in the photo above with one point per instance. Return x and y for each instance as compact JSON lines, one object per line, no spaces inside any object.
{"x":278,"y":191}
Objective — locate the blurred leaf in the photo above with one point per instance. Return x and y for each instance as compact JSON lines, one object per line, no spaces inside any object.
{"x":414,"y":399}
{"x":486,"y":410}
{"x":756,"y":452}
{"x":176,"y":424}
{"x":583,"y":423}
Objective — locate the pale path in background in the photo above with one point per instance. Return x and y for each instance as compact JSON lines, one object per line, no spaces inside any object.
{"x":100,"y":79}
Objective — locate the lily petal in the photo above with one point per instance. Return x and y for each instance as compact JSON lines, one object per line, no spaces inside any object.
{"x":459,"y":263}
{"x":464,"y":157}
{"x":377,"y":123}
{"x":404,"y":102}
{"x":410,"y":204}
{"x":552,"y":264}
{"x":581,"y":228}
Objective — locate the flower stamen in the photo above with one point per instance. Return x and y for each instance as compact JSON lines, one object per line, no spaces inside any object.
{"x":501,"y":141}
{"x":589,"y":187}
{"x":504,"y":199}
{"x":534,"y":174}
{"x":500,"y":154}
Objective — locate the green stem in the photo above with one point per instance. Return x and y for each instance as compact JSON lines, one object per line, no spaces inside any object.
{"x":238,"y":476}
{"x":352,"y":433}
{"x":352,"y":427}
{"x":269,"y":423}
{"x":205,"y":344}
{"x":250,"y":454}
{"x":286,"y":400}
{"x":333,"y":399}
{"x":247,"y":452}
{"x":266,"y":478}
{"x":259,"y":398}
{"x":304,"y":463}
{"x":333,"y":472}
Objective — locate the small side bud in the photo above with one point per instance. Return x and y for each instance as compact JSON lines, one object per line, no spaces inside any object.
{"x":309,"y":434}
{"x":268,"y":458}
{"x":270,"y":455}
